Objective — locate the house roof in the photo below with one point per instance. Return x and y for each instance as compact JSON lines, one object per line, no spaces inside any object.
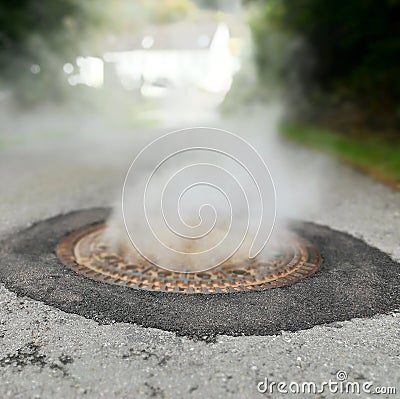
{"x":185,"y":35}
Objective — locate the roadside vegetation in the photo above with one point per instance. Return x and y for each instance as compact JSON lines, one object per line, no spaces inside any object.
{"x":336,"y":66}
{"x":377,"y":156}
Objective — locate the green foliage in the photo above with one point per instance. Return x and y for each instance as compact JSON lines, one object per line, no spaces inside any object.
{"x":355,"y":44}
{"x":36,"y":39}
{"x":270,"y":44}
{"x":375,"y":155}
{"x":165,"y":11}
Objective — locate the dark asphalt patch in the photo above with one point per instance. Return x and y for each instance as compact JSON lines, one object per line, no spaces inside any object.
{"x":355,"y":280}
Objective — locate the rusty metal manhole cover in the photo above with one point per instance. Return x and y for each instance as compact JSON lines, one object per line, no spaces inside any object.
{"x":87,"y":252}
{"x":30,"y":267}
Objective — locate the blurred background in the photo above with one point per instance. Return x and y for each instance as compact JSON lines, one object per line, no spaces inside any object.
{"x":84,"y":84}
{"x":135,"y":53}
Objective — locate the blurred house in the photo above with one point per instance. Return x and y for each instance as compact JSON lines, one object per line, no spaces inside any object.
{"x":173,"y":56}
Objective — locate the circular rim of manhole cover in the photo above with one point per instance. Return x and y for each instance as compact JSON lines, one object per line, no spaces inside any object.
{"x":88,"y":253}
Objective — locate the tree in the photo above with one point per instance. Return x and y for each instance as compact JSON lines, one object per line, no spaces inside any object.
{"x":355,"y":45}
{"x":36,"y":37}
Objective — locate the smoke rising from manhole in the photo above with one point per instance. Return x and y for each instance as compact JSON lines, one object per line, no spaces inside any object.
{"x":194,"y":198}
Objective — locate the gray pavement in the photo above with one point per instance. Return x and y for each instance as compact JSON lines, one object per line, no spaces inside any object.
{"x":47,"y":353}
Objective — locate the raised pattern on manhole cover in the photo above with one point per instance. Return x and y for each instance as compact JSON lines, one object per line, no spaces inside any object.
{"x":87,"y":252}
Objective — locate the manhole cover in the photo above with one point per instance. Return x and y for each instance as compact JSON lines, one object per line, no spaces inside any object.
{"x":88,"y":253}
{"x":355,"y":280}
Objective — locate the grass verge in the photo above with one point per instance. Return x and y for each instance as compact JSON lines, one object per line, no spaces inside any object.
{"x":373,"y":155}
